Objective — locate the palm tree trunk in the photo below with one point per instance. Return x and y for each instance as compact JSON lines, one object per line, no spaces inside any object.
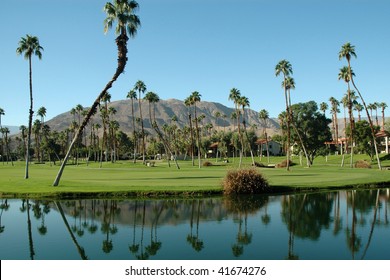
{"x":371,"y":126}
{"x":121,"y":42}
{"x":31,"y":113}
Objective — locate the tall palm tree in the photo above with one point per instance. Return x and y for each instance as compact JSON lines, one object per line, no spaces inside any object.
{"x":195,"y":98}
{"x":334,"y":104}
{"x":42,"y":114}
{"x":358,"y":107}
{"x":2,"y":113}
{"x":264,"y":117}
{"x":348,"y":51}
{"x":383,"y":106}
{"x":133,"y":96}
{"x":323,"y":107}
{"x":235,"y":96}
{"x":141,"y":88}
{"x":188,"y":102}
{"x":289,"y":84}
{"x":284,"y":67}
{"x":122,"y":12}
{"x":29,"y":46}
{"x":244,"y":102}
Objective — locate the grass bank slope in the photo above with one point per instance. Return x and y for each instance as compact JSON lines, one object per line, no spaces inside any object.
{"x":128,"y":179}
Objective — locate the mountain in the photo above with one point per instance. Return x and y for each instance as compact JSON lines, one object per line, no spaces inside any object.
{"x":165,"y":110}
{"x":13,"y":129}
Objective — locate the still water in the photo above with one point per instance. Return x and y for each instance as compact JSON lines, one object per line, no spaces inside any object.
{"x":318,"y":226}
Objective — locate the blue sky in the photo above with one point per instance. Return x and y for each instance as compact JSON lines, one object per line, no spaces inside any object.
{"x":209,"y":46}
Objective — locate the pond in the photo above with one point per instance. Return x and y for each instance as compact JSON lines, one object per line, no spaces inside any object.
{"x":351,"y":224}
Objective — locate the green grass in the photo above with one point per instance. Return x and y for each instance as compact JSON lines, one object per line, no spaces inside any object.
{"x":125,"y":178}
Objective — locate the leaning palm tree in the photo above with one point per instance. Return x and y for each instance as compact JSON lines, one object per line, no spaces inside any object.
{"x":29,"y":46}
{"x":289,"y":84}
{"x":348,"y":51}
{"x":284,"y":67}
{"x":122,"y":12}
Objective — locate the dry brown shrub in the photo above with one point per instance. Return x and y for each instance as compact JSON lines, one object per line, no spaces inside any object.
{"x":244,"y":181}
{"x":207,"y":163}
{"x":362,"y":164}
{"x":283,"y":164}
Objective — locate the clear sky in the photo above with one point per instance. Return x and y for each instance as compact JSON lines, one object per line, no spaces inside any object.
{"x":183,"y":46}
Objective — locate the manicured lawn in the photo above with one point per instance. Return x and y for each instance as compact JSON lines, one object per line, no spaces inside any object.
{"x":125,"y":178}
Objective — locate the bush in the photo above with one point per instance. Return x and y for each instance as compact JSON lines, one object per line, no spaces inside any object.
{"x":284,"y":164}
{"x":258,"y":164}
{"x":362,"y":164}
{"x":244,"y":181}
{"x":207,"y":163}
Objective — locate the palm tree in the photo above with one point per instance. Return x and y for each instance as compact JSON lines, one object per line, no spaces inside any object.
{"x":141,"y":88}
{"x":284,"y":67}
{"x":358,"y":107}
{"x":188,"y":102}
{"x":383,"y":106}
{"x":264,"y":117}
{"x":133,"y":95}
{"x":195,"y":97}
{"x":30,"y":46}
{"x":2,"y":113}
{"x":334,"y":104}
{"x":348,"y":51}
{"x":235,"y":96}
{"x":289,"y":84}
{"x":244,"y":102}
{"x":122,"y":12}
{"x":323,"y":107}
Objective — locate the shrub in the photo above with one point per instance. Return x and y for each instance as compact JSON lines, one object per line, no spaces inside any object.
{"x":362,"y":164}
{"x":244,"y":181}
{"x":207,"y":163}
{"x":258,"y":164}
{"x":284,"y":164}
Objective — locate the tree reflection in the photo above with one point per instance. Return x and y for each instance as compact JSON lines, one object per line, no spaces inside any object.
{"x":194,"y":240}
{"x":4,"y":206}
{"x":305,"y":216}
{"x":79,"y":248}
{"x":108,"y":225}
{"x":29,"y":231}
{"x":243,"y":206}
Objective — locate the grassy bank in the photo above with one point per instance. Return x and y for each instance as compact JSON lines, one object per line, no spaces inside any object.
{"x":125,"y":178}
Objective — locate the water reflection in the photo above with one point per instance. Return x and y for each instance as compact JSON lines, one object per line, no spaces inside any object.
{"x":331,"y":225}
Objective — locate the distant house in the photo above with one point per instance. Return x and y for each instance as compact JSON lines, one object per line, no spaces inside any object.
{"x":383,"y":142}
{"x":274,"y":148}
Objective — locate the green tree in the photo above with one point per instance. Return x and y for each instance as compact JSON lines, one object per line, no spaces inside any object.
{"x":313,"y":128}
{"x":122,"y":12}
{"x":29,"y":46}
{"x":348,"y":51}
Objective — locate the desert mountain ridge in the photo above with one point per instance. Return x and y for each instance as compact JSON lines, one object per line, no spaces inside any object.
{"x":165,"y":110}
